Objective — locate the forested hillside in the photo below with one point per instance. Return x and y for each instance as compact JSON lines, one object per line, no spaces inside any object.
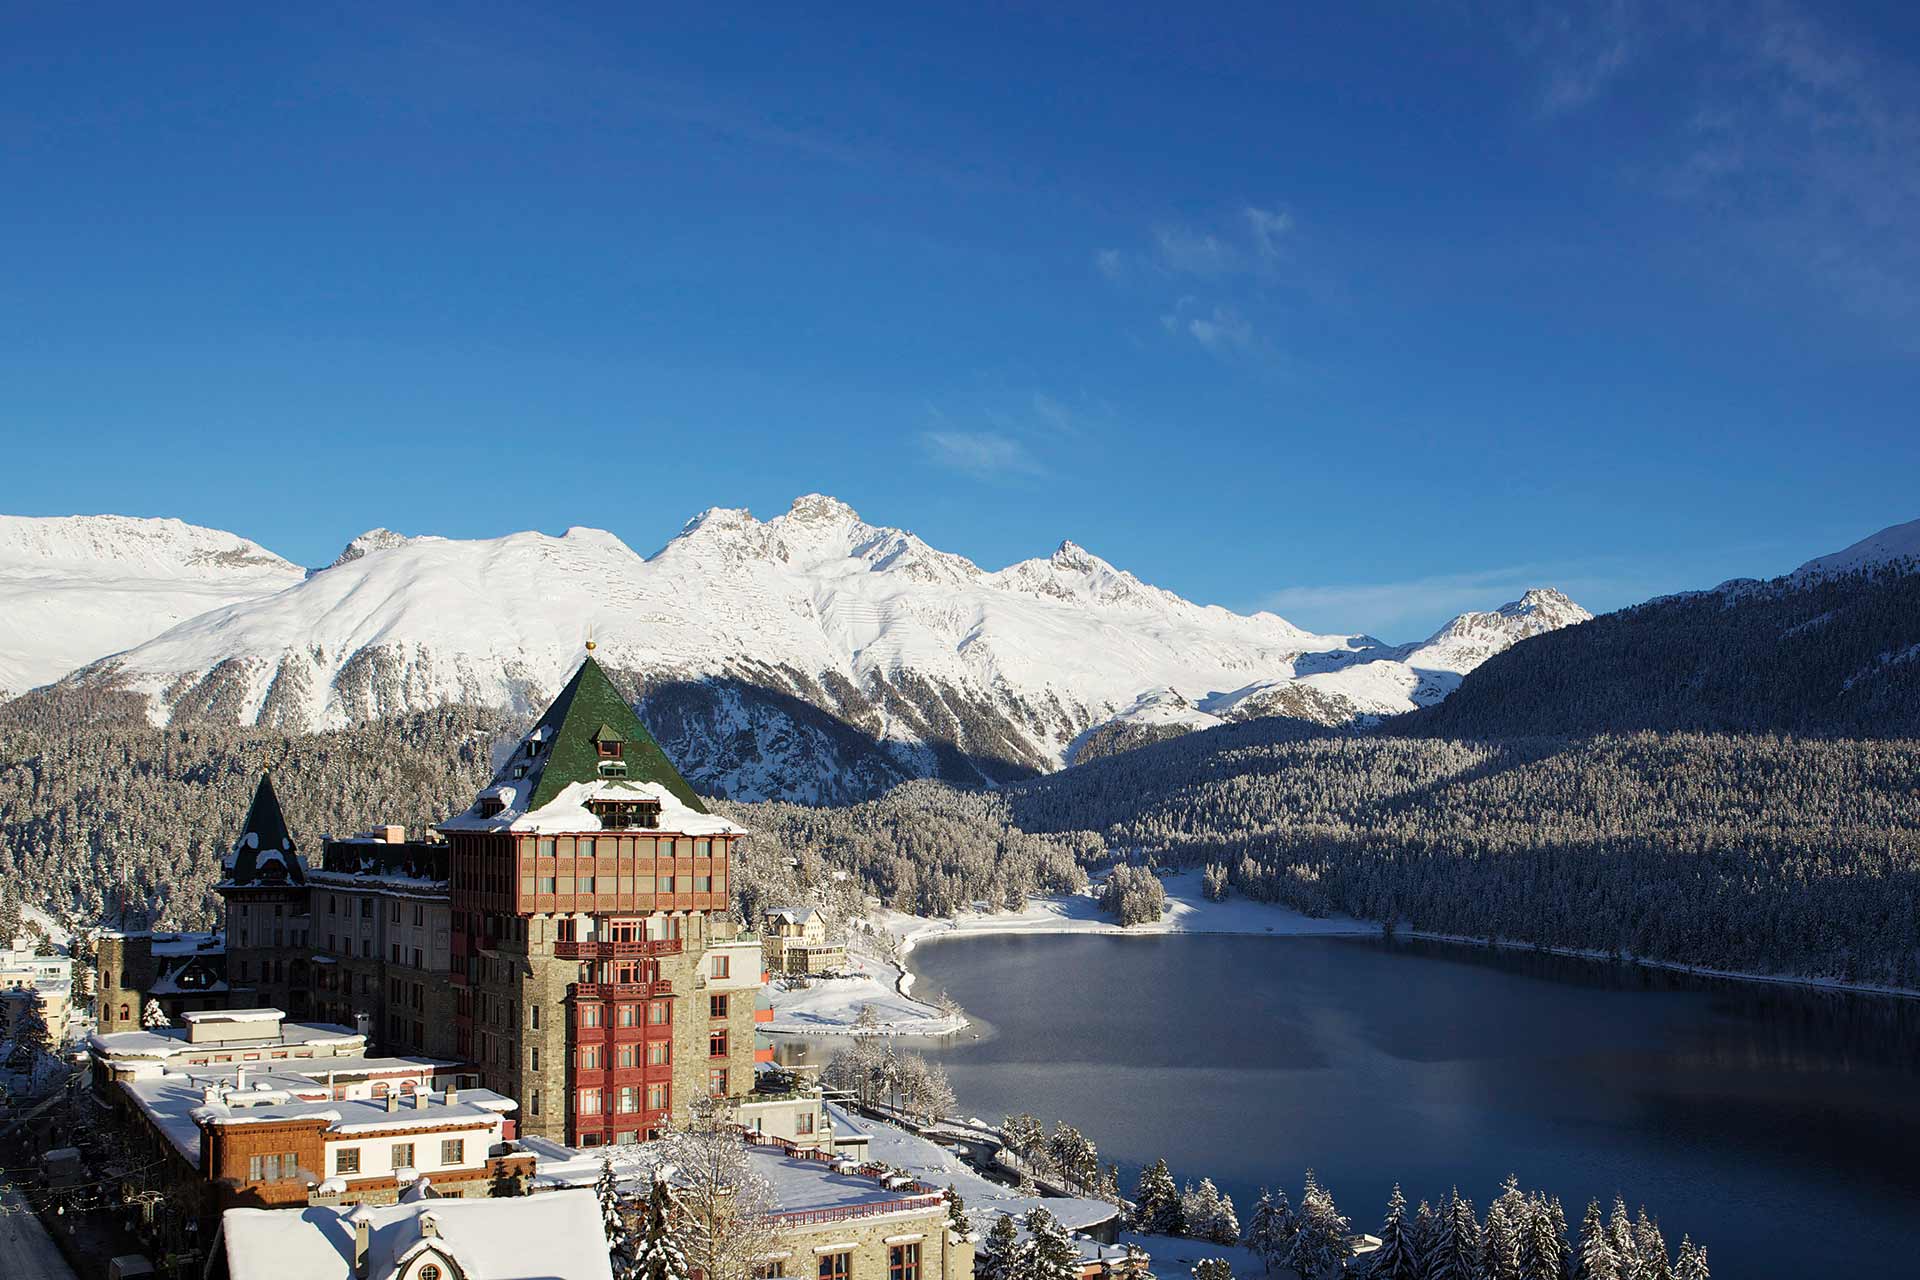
{"x":1809,"y":654}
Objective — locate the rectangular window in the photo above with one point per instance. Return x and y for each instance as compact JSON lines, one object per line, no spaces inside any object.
{"x":717,"y":1082}
{"x":534,"y":1107}
{"x":659,"y":1012}
{"x":803,"y":1123}
{"x":346,"y":1160}
{"x":666,"y":884}
{"x":546,"y":884}
{"x":903,"y":1262}
{"x":836,"y":1266}
{"x":703,"y":884}
{"x":545,"y":848}
{"x":629,"y":1100}
{"x":716,"y":1006}
{"x":717,"y":1044}
{"x":403,"y":1155}
{"x":453,"y":1151}
{"x":585,"y":848}
{"x":629,"y":1015}
{"x":775,"y":1269}
{"x":590,"y":1057}
{"x":658,"y":1096}
{"x":723,"y":966}
{"x":659,"y":1053}
{"x":589,"y":1102}
{"x":533,"y":1011}
{"x":666,"y":847}
{"x":584,"y":884}
{"x":589,"y":1015}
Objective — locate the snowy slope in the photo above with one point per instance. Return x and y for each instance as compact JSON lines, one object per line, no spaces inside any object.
{"x":1896,"y":544}
{"x":73,"y":588}
{"x":773,"y":654}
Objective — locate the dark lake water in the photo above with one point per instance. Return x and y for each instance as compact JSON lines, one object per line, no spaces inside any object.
{"x":1779,"y":1126}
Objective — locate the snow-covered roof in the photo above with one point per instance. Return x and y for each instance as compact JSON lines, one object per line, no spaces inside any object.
{"x":568,"y":811}
{"x":792,"y":915}
{"x":165,"y":1042}
{"x":553,"y":1236}
{"x":234,"y":1015}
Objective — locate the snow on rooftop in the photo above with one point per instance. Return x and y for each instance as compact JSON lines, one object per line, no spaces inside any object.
{"x":235,"y":1015}
{"x":164,"y":1042}
{"x":568,"y":810}
{"x":556,"y":1236}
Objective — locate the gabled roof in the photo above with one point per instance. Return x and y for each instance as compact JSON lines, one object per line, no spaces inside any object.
{"x":264,"y":841}
{"x":586,"y":710}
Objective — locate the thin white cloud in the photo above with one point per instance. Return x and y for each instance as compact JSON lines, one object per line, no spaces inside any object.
{"x":986,"y":454}
{"x":1185,"y":251}
{"x":1270,"y":228}
{"x":1111,"y":263}
{"x":1580,"y":50}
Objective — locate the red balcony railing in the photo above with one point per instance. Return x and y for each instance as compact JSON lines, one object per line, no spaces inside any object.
{"x":621,"y":990}
{"x":592,"y":950}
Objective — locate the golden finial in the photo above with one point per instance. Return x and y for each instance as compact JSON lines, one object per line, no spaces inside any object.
{"x":589,"y":638}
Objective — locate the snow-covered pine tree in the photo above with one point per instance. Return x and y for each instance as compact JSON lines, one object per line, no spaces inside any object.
{"x":1156,"y":1202}
{"x":1226,"y":1223}
{"x":1596,"y":1260}
{"x":153,"y":1016}
{"x":1428,"y":1233}
{"x":1651,"y":1247}
{"x":622,"y":1249}
{"x":1499,"y":1247}
{"x":1213,"y":1269}
{"x":659,"y":1255}
{"x":1626,"y":1255}
{"x":1320,"y":1244}
{"x":1543,"y":1247}
{"x":997,"y":1252}
{"x":1395,"y":1259}
{"x":1270,"y":1234}
{"x":1692,"y":1263}
{"x":1459,"y":1257}
{"x":957,"y":1220}
{"x":1047,"y":1253}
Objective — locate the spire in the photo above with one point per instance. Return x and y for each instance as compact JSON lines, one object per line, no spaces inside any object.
{"x":264,"y":849}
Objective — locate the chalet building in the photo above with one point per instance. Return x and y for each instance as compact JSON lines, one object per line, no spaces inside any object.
{"x":596,"y":975}
{"x":794,"y":940}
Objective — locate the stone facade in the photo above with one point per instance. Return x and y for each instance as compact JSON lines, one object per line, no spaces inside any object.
{"x":873,"y":1244}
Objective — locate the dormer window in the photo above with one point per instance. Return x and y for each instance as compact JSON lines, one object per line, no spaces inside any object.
{"x":610,"y":750}
{"x":490,"y":806}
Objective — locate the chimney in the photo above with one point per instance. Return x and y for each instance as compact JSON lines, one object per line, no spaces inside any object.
{"x":240,"y":1080}
{"x":394,"y":834}
{"x":209,"y":1094}
{"x":420,"y":1097}
{"x":393,"y":1102}
{"x":453,"y":1096}
{"x":362,"y":1242}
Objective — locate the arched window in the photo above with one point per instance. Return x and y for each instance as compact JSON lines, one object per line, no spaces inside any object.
{"x":124,"y":1015}
{"x":429,"y":1272}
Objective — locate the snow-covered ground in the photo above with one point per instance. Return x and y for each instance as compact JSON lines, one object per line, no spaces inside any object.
{"x":832,"y":1006}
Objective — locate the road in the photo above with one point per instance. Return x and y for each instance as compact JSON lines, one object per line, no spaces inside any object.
{"x":26,"y":1251}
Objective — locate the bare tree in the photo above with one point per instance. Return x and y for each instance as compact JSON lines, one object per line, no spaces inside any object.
{"x":726,"y":1226}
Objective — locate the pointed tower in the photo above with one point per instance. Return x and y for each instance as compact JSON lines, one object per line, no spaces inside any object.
{"x":598,"y":978}
{"x":264,"y":885}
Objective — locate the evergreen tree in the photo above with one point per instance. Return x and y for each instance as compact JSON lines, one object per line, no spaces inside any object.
{"x":1397,"y":1257}
{"x":1226,"y":1223}
{"x":1626,"y":1255}
{"x":1692,"y":1263}
{"x":621,"y":1246}
{"x":1156,"y":1202}
{"x":1499,"y":1246}
{"x":1651,"y":1247}
{"x":153,"y":1016}
{"x":957,"y":1220}
{"x":1428,"y":1236}
{"x":1597,"y":1260}
{"x":31,"y":1040}
{"x":1459,"y":1253}
{"x":659,"y":1255}
{"x":1320,"y":1242}
{"x":1543,"y":1243}
{"x":1270,"y":1234}
{"x":1048,"y":1252}
{"x":997,"y":1252}
{"x":1212,"y":1269}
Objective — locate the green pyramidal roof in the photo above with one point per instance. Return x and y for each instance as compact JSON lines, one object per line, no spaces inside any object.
{"x":569,"y":729}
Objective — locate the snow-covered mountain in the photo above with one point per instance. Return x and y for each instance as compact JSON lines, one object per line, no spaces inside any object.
{"x":1896,"y":544}
{"x":812,"y":655}
{"x":75,"y":587}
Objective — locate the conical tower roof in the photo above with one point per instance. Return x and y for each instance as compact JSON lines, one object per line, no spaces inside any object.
{"x":265,"y":848}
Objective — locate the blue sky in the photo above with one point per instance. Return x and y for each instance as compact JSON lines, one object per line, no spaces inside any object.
{"x":1366,"y":313}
